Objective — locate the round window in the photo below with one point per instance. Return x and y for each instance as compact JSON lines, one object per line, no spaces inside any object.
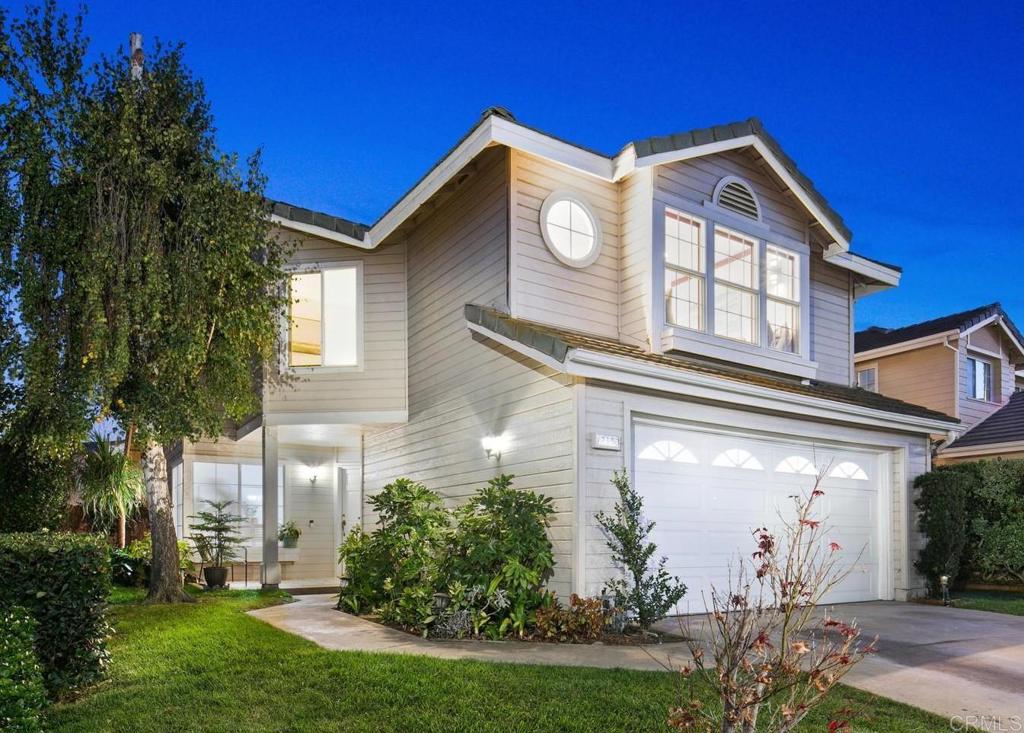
{"x":570,"y":229}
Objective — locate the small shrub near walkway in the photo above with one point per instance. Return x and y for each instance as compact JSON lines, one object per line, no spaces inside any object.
{"x":62,"y":580}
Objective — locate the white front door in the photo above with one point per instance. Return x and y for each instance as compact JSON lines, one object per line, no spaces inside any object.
{"x":707,"y":492}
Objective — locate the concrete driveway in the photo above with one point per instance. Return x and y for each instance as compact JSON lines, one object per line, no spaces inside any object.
{"x":966,"y":665}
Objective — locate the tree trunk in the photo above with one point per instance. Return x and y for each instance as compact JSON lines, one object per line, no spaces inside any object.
{"x":164,"y":575}
{"x":121,"y":530}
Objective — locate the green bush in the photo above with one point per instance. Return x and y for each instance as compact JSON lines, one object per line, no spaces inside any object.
{"x":395,"y":570}
{"x":944,"y":500}
{"x":63,"y":580}
{"x":1000,"y":553}
{"x":130,"y":566}
{"x":492,"y":564}
{"x":501,"y":545}
{"x":22,"y":695}
{"x":646,"y":591}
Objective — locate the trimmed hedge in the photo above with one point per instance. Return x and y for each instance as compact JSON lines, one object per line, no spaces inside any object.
{"x":63,"y":581}
{"x":22,"y":695}
{"x":972,"y":515}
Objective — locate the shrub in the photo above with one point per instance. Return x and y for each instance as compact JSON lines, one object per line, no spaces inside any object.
{"x":130,"y":566}
{"x":944,"y":500}
{"x":645,"y":593}
{"x":501,"y":543}
{"x":1000,"y":553}
{"x":22,"y":695}
{"x":395,"y":570}
{"x":63,"y":580}
{"x":582,"y":620}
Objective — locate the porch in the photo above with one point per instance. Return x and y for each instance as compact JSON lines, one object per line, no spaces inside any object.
{"x":308,"y":474}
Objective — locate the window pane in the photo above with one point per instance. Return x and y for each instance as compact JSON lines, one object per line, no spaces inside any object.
{"x":341,"y":325}
{"x":683,"y":241}
{"x":735,"y":313}
{"x":304,"y":342}
{"x":781,"y":274}
{"x":570,"y":230}
{"x":735,"y":261}
{"x":866,"y":379}
{"x":684,"y":299}
{"x":782,"y":326}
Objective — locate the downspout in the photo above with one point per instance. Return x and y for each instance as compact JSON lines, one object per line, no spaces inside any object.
{"x":952,"y":434}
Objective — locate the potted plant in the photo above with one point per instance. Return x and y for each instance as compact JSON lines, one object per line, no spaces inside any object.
{"x":289,"y":534}
{"x":216,"y":538}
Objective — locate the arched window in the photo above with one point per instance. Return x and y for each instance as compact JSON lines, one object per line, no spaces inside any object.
{"x":668,"y":450}
{"x":796,"y":464}
{"x":737,"y":458}
{"x":849,"y":470}
{"x":736,"y":195}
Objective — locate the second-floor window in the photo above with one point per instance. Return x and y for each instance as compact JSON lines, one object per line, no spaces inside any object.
{"x":979,"y":379}
{"x":755,"y":285}
{"x":324,"y":319}
{"x":868,"y":379}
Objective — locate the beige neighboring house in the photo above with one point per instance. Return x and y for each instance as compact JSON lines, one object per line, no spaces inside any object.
{"x":967,"y":364}
{"x":682,"y":309}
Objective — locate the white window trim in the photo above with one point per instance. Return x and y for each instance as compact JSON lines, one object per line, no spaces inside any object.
{"x":990,"y":398}
{"x":866,"y":368}
{"x":573,"y":197}
{"x":359,"y":366}
{"x":705,"y":343}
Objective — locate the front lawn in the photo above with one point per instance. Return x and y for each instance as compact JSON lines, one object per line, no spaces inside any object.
{"x":209,"y":667}
{"x":991,"y":600}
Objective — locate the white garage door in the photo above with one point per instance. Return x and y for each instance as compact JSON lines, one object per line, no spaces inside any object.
{"x":708,"y":491}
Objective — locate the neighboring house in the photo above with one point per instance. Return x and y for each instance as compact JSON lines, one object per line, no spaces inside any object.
{"x":966,"y":364}
{"x":682,"y":309}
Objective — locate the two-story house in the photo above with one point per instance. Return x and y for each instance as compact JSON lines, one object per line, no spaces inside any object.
{"x":967,"y":364}
{"x":682,"y":309}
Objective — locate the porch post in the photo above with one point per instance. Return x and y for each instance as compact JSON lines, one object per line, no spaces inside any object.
{"x":271,"y":566}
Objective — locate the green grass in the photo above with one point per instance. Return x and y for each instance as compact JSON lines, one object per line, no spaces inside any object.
{"x":208,"y":667}
{"x":991,"y":600}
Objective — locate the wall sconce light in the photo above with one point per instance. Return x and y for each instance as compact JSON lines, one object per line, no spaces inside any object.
{"x":312,"y":477}
{"x":494,"y":445}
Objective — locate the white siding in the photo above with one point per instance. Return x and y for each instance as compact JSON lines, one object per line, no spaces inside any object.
{"x":381,"y":384}
{"x":831,"y":320}
{"x":461,"y":389}
{"x":635,"y":315}
{"x":544,"y":289}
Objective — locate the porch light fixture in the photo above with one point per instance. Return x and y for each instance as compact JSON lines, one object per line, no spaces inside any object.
{"x":494,"y":445}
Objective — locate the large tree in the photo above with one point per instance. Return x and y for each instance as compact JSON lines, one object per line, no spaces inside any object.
{"x":150,"y":284}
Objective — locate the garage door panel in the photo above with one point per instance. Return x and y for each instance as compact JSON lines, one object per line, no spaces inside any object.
{"x":706,"y":508}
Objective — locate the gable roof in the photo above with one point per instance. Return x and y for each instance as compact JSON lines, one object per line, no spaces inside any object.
{"x":1005,"y":425}
{"x":557,"y":343}
{"x":750,"y":127}
{"x":876,"y":337}
{"x":498,"y":126}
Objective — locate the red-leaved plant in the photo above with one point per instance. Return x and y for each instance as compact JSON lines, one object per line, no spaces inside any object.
{"x":767,"y":651}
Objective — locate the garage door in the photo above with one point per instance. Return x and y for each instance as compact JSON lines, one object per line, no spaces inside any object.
{"x":707,"y":491}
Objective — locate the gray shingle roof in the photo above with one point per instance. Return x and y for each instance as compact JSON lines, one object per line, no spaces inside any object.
{"x":556,"y":342}
{"x":876,"y":337}
{"x":1005,"y":425}
{"x":731,"y":131}
{"x":316,"y":218}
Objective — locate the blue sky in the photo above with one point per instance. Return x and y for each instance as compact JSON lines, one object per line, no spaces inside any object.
{"x":906,"y":115}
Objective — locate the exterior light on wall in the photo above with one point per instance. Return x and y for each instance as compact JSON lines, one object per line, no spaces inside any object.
{"x":312,"y":478}
{"x":494,"y":445}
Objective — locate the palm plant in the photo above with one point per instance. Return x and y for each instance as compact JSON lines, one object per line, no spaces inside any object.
{"x":111,"y":486}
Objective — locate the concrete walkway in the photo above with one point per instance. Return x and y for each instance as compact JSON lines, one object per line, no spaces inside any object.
{"x":956,"y":663}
